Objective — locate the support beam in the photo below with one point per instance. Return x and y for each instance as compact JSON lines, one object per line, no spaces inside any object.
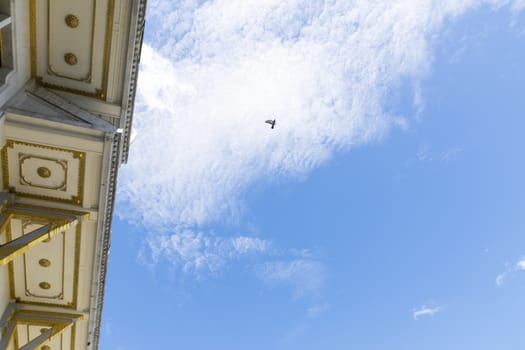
{"x":58,"y":323}
{"x":6,"y":337}
{"x":46,"y":336}
{"x":18,"y":209}
{"x":4,"y":219}
{"x":22,"y":244}
{"x":6,"y":199}
{"x":6,"y":316}
{"x":41,"y":339}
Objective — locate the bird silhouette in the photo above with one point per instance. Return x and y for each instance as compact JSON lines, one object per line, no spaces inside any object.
{"x":271,"y":122}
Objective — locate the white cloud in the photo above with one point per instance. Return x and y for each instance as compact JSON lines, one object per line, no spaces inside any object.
{"x":450,"y":154}
{"x":213,"y":71}
{"x":245,"y":245}
{"x":217,"y":69}
{"x":425,"y":311}
{"x":316,"y":310}
{"x":423,"y":154}
{"x":500,"y":279}
{"x":305,"y":277}
{"x":198,"y":252}
{"x":520,"y":265}
{"x":511,"y":269}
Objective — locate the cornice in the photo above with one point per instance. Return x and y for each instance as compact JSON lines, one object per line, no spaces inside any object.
{"x":106,"y":238}
{"x":135,"y":48}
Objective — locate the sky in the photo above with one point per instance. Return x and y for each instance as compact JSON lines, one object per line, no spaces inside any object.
{"x":384,"y":211}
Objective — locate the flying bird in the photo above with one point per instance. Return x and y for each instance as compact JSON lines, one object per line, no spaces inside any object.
{"x":271,"y":122}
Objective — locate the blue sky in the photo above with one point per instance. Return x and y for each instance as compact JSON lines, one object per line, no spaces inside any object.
{"x":385,"y":211}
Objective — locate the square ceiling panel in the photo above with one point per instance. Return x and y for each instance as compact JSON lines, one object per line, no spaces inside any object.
{"x":43,"y":172}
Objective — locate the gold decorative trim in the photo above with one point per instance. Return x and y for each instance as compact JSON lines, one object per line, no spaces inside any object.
{"x":16,"y":338}
{"x":81,"y":156}
{"x":32,"y":35}
{"x":107,"y":49}
{"x":78,"y":237}
{"x":76,"y":271}
{"x":50,"y":70}
{"x":10,"y":265}
{"x":70,"y":58}
{"x":98,"y":93}
{"x":74,"y":298}
{"x":72,"y":21}
{"x":55,"y":222}
{"x":45,"y":171}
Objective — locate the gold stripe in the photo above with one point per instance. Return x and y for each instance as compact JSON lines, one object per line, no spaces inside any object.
{"x":16,"y":338}
{"x":10,"y":265}
{"x":107,"y":49}
{"x":5,"y":164}
{"x":73,"y":335}
{"x":2,"y":58}
{"x":32,"y":35}
{"x":78,"y":237}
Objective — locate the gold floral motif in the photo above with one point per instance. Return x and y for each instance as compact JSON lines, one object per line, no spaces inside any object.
{"x":72,"y":21}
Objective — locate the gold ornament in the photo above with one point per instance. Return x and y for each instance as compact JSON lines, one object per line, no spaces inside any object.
{"x":70,"y":58}
{"x":72,"y":21}
{"x":44,"y":285}
{"x":43,"y":172}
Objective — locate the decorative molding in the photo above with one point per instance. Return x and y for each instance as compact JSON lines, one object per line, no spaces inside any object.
{"x":40,"y":218}
{"x":42,"y":171}
{"x":71,"y":58}
{"x":127,"y":117}
{"x":76,"y":193}
{"x":99,"y":92}
{"x":106,"y":238}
